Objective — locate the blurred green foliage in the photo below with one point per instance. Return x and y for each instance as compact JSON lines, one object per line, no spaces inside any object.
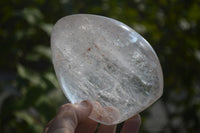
{"x":29,"y":97}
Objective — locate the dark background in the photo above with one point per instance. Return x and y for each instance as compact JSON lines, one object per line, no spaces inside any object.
{"x":29,"y":91}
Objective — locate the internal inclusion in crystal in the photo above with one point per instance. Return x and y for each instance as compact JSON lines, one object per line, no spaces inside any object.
{"x":104,"y":61}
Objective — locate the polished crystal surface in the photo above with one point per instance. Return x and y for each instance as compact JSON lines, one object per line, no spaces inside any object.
{"x":103,"y":60}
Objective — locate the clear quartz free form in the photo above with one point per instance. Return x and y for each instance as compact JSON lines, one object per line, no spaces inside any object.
{"x":106,"y":62}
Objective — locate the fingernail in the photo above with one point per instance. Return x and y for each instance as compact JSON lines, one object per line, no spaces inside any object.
{"x":84,"y":103}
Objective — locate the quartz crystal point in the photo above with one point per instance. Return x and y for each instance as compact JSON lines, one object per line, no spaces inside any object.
{"x":106,"y":62}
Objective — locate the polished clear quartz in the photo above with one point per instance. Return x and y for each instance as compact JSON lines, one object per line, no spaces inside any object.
{"x":103,"y":60}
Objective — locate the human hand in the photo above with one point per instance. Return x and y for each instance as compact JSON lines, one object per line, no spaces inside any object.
{"x":73,"y":118}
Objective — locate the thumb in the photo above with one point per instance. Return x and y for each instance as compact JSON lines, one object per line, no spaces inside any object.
{"x":68,"y":117}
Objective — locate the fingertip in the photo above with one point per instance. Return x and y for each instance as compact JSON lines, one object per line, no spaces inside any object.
{"x":64,"y":108}
{"x":132,"y":125}
{"x":83,"y":110}
{"x":136,"y":118}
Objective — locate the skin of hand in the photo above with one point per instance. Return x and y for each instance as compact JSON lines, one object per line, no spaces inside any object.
{"x":73,"y":118}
